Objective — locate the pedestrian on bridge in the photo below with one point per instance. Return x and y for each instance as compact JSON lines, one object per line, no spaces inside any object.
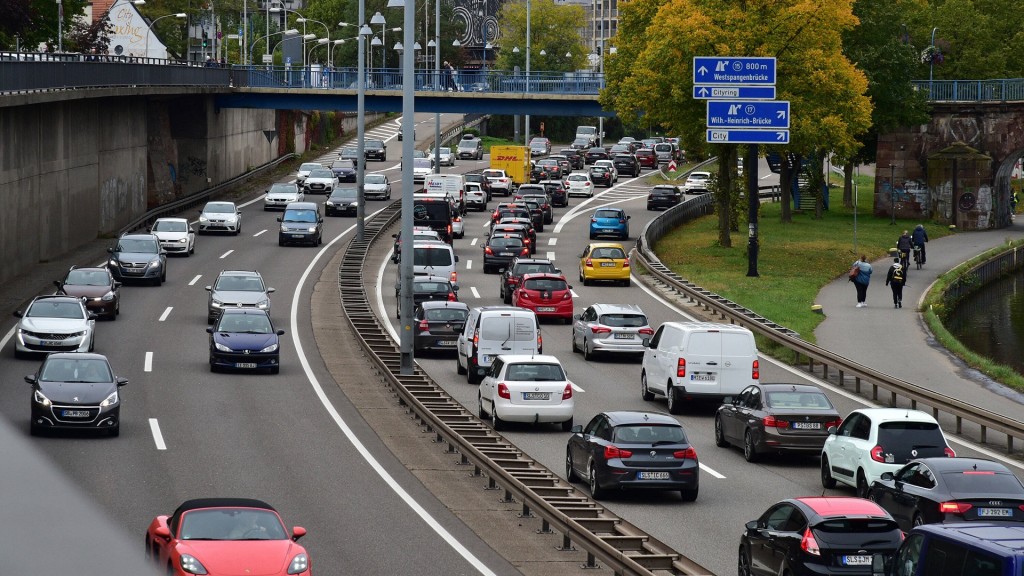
{"x":861,"y":280}
{"x":895,"y":279}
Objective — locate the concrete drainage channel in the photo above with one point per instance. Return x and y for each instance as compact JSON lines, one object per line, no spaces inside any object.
{"x":621,"y":546}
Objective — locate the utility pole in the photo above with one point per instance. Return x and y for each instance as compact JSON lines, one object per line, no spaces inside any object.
{"x":750,"y":169}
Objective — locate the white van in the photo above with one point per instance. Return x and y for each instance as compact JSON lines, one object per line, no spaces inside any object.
{"x":434,"y":258}
{"x":452,"y":184}
{"x":686,"y":361}
{"x":494,"y":330}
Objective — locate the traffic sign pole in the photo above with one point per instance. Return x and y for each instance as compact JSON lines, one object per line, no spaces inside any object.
{"x":753,"y":201}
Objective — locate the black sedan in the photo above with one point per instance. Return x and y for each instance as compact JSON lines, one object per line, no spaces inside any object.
{"x":776,"y":418}
{"x":626,"y":164}
{"x":245,"y":339}
{"x":930,"y":490}
{"x":427,"y":289}
{"x":818,"y":535}
{"x":345,"y":170}
{"x":601,"y":175}
{"x":514,"y":273}
{"x":595,"y":154}
{"x":75,"y":391}
{"x":500,"y":249}
{"x":663,"y":196}
{"x":375,"y":150}
{"x":438,"y":324}
{"x":633,"y":450}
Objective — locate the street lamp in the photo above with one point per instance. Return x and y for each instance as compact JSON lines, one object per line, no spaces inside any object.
{"x":931,"y":62}
{"x":289,"y":32}
{"x":319,"y":42}
{"x":892,"y":192}
{"x":177,"y":15}
{"x":378,"y":18}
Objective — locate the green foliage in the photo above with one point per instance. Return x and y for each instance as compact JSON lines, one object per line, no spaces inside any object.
{"x":549,"y":24}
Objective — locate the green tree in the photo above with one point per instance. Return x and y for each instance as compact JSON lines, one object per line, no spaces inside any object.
{"x":552,"y":30}
{"x":978,"y":39}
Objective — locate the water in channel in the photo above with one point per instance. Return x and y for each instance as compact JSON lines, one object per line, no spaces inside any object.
{"x":991,"y":321}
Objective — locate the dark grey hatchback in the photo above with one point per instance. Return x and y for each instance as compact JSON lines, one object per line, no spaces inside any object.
{"x":75,"y":391}
{"x":301,"y":223}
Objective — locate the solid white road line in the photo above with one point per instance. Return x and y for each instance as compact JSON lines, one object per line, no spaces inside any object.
{"x":551,"y":255}
{"x":707,"y":469}
{"x":578,"y":209}
{"x":166,"y":313}
{"x":469,"y":264}
{"x":574,"y":294}
{"x":158,"y":438}
{"x":473,"y":241}
{"x":225,"y":255}
{"x":194,"y":280}
{"x":473,"y":289}
{"x":552,"y":241}
{"x":258,"y":233}
{"x":349,"y":433}
{"x":147,"y":365}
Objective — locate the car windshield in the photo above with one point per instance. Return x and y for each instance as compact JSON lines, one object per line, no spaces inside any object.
{"x":699,"y":176}
{"x":421,"y":162}
{"x":283,"y":189}
{"x":446,"y":314}
{"x":56,"y":309}
{"x":535,"y":372}
{"x":143,"y":245}
{"x":345,"y":194}
{"x":170,"y":226}
{"x":342,"y":164}
{"x":532,"y":268}
{"x":321,"y":173}
{"x":232,"y":524}
{"x":350,"y":151}
{"x":423,"y":256}
{"x":240,"y":284}
{"x":545,"y":284}
{"x":309,"y":166}
{"x":87,"y":278}
{"x":421,"y":286}
{"x":220,"y":208}
{"x":510,"y":242}
{"x":245,"y":324}
{"x":599,"y":169}
{"x":299,"y":216}
{"x":608,"y":214}
{"x":577,"y":178}
{"x":91,"y":370}
{"x":605,"y":252}
{"x":528,"y":188}
{"x":373,"y":144}
{"x":648,"y":434}
{"x":493,"y":174}
{"x":798,"y":400}
{"x":623,"y":320}
{"x":659,"y":191}
{"x":374,"y":179}
{"x":982,"y":482}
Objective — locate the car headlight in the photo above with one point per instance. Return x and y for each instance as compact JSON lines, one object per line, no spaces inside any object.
{"x":183,"y":240}
{"x":41,"y":399}
{"x":263,"y":304}
{"x":112,"y":262}
{"x":284,"y":228}
{"x":221,"y":347}
{"x":231,"y":217}
{"x":203,"y":218}
{"x":154,"y":263}
{"x":190,"y":564}
{"x":216,"y":303}
{"x":271,"y":348}
{"x":109,"y":400}
{"x":312,"y":229}
{"x":329,"y":203}
{"x":299,"y":564}
{"x":108,"y":297}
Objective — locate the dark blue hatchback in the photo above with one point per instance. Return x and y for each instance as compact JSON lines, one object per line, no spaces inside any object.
{"x":961,"y":549}
{"x":245,"y":339}
{"x":609,"y":222}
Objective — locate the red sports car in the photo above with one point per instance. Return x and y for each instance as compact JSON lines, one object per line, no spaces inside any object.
{"x":225,"y":536}
{"x":548,"y":295}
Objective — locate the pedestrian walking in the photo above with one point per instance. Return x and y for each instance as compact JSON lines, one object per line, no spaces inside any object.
{"x":449,"y":79}
{"x":919,"y":238}
{"x":895,"y":279}
{"x":861,"y":278}
{"x":905,"y":244}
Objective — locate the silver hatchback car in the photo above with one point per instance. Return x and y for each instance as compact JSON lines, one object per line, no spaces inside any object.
{"x":611,"y":328}
{"x":237,"y":289}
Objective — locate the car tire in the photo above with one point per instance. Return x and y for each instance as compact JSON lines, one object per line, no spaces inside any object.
{"x":192,"y":249}
{"x":626,"y":282}
{"x":156,"y":281}
{"x":596,"y":492}
{"x":567,"y":425}
{"x":34,"y":430}
{"x":497,"y":422}
{"x":918,"y":520}
{"x":572,"y":340}
{"x":862,"y":485}
{"x":480,"y":407}
{"x":570,"y":473}
{"x":458,"y":368}
{"x":743,"y":562}
{"x":720,"y":440}
{"x":472,"y":377}
{"x":749,"y":450}
{"x":645,"y":392}
{"x":213,"y":368}
{"x":588,"y":354}
{"x":827,"y":481}
{"x":689,"y":494}
{"x":675,"y":406}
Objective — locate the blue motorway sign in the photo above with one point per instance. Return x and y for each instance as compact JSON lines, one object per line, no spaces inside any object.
{"x":716,"y":136}
{"x":738,"y":114}
{"x":729,"y":71}
{"x":733,"y":92}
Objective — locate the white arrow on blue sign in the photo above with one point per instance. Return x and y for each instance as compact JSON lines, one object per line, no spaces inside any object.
{"x":738,"y":114}
{"x":733,"y":71}
{"x":748,"y":136}
{"x":733,"y":92}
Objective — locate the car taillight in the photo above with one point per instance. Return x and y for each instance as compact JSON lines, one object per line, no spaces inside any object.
{"x":593,"y":219}
{"x":488,"y":251}
{"x":452,"y":297}
{"x":772,"y":422}
{"x":755,"y":370}
{"x":525,"y":251}
{"x":567,"y":393}
{"x":567,"y":295}
{"x":424,"y":326}
{"x":503,"y":391}
{"x":688,"y":454}
{"x":449,"y":229}
{"x":588,"y":263}
{"x":837,"y":423}
{"x":949,"y":452}
{"x":457,"y":219}
{"x":540,"y":344}
{"x":476,"y":338}
{"x":616,"y":452}
{"x":625,"y":263}
{"x":954,"y":507}
{"x":646,"y":331}
{"x":600,"y":330}
{"x":809,"y":544}
{"x":877,"y":454}
{"x":622,"y":220}
{"x":681,"y":368}
{"x":524,"y":294}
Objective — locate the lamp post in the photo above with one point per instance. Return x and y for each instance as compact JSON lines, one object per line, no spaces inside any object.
{"x":436,"y":45}
{"x":319,"y":42}
{"x":892,"y":193}
{"x":378,"y":18}
{"x":289,"y":32}
{"x":526,"y":138}
{"x":931,"y":62}
{"x":60,"y":27}
{"x":303,"y":20}
{"x":151,"y":24}
{"x":364,"y":31}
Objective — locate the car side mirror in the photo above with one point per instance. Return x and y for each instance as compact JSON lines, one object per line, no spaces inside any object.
{"x":19,"y":314}
{"x":117,"y":285}
{"x":31,"y":379}
{"x":886,"y":476}
{"x":56,"y":283}
{"x":577,"y":429}
{"x":279,"y":219}
{"x":110,"y":250}
{"x":628,"y":217}
{"x":730,"y":400}
{"x":558,"y":270}
{"x":394,"y":235}
{"x":831,"y":430}
{"x":280,"y":332}
{"x":209,"y":288}
{"x":163,"y":253}
{"x":298,"y":532}
{"x":752,"y":525}
{"x":646,"y":342}
{"x":209,"y":329}
{"x":121,"y":382}
{"x":456,"y":258}
{"x":92,"y":316}
{"x":570,"y":286}
{"x":271,"y":290}
{"x":455,"y":287}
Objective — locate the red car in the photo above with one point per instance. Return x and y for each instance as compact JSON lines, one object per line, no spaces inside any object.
{"x":548,"y":295}
{"x":225,"y":536}
{"x":647,"y":158}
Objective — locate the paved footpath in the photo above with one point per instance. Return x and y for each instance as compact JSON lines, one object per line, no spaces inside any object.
{"x":898,"y":342}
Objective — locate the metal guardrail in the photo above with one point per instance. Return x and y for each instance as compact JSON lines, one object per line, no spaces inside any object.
{"x":34,"y":76}
{"x":985,"y":420}
{"x":1005,"y":90}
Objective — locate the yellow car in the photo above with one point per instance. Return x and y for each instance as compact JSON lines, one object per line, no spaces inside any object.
{"x":604,"y":261}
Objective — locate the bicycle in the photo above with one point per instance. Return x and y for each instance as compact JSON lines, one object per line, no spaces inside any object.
{"x":917,"y":256}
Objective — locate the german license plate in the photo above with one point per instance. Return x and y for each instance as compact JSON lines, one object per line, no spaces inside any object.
{"x":652,"y":475}
{"x":536,"y":395}
{"x":75,"y":413}
{"x":245,"y":365}
{"x":807,"y":425}
{"x":858,"y":560}
{"x":49,"y":343}
{"x":446,"y":342}
{"x":505,"y":254}
{"x":621,"y":336}
{"x":297,"y":235}
{"x":995,"y":512}
{"x":702,"y":377}
{"x":608,"y":264}
{"x":608,"y":230}
{"x":545,"y":309}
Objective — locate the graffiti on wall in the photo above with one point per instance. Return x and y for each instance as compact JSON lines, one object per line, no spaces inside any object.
{"x":191,"y":168}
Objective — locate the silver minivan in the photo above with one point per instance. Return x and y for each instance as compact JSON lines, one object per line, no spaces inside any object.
{"x":434,"y":258}
{"x":492,"y":331}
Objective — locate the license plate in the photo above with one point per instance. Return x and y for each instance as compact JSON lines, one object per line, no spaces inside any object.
{"x":75,"y":413}
{"x":807,"y":425}
{"x":536,"y":395}
{"x":545,"y":309}
{"x":297,"y":235}
{"x":245,"y":365}
{"x":488,"y":358}
{"x":446,"y":342}
{"x":608,"y":230}
{"x":856,"y":560}
{"x":620,"y":336}
{"x":608,"y":264}
{"x":49,"y":343}
{"x":702,"y":377}
{"x":505,"y":254}
{"x":652,"y":475}
{"x":995,"y":512}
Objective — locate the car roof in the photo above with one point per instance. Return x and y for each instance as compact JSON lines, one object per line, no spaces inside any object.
{"x":249,"y":311}
{"x":946,"y":464}
{"x":705,"y":174}
{"x":443,"y":304}
{"x":617,"y":309}
{"x":626,"y":417}
{"x":550,"y":275}
{"x":138,"y":236}
{"x":612,"y":208}
{"x":75,"y":356}
{"x":998,"y":537}
{"x":880,"y":415}
{"x":534,"y":358}
{"x":303,"y":205}
{"x":77,"y":299}
{"x":171,"y":220}
{"x":786,"y":387}
{"x":607,"y":245}
{"x":841,"y":506}
{"x":239,"y":273}
{"x":430,"y":243}
{"x":431,"y":279}
{"x":532,"y":261}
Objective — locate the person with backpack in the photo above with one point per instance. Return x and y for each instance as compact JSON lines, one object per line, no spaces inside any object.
{"x":919,"y":239}
{"x":904,"y":244}
{"x":861,"y":279}
{"x":895,"y":279}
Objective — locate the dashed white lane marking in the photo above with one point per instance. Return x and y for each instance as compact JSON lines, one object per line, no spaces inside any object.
{"x":473,"y":241}
{"x":166,"y":313}
{"x":705,"y":468}
{"x":258,"y":233}
{"x":574,"y":294}
{"x":225,"y":255}
{"x":194,"y":280}
{"x":469,"y":264}
{"x":473,"y":289}
{"x":552,"y":241}
{"x":158,"y":437}
{"x":551,"y":255}
{"x":147,"y":365}
{"x":486,"y":224}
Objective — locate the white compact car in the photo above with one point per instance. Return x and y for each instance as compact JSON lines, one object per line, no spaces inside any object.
{"x":376,"y":186}
{"x":281,"y":195}
{"x":873,"y":441}
{"x":54,"y":324}
{"x":476,"y":197}
{"x":446,"y":158}
{"x":175,"y":235}
{"x":500,"y":182}
{"x":304,"y":171}
{"x":579,"y":184}
{"x":321,"y":181}
{"x":421,"y":168}
{"x":697,"y":183}
{"x":220,"y":217}
{"x":526,"y":388}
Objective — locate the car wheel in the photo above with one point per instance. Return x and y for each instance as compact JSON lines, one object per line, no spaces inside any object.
{"x":570,"y":473}
{"x":156,"y":281}
{"x":626,"y":282}
{"x":192,"y":249}
{"x":596,"y":492}
{"x":567,"y":425}
{"x":862,"y":485}
{"x":749,"y":450}
{"x":689,"y":494}
{"x":213,"y":367}
{"x":458,"y":368}
{"x":743,"y":562}
{"x":588,"y":354}
{"x":575,"y":348}
{"x":645,"y":392}
{"x":498,"y":423}
{"x":827,"y":481}
{"x":480,"y":407}
{"x":472,"y":377}
{"x":674,"y":405}
{"x":918,"y":519}
{"x":720,"y":440}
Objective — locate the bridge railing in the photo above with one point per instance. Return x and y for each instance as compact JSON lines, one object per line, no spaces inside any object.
{"x":39,"y":75}
{"x":1005,"y":90}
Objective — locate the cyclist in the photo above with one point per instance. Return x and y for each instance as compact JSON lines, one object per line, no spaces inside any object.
{"x":919,"y":239}
{"x":904,"y":244}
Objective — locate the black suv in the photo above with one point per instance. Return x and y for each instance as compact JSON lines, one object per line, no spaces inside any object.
{"x":626,"y":164}
{"x":375,"y":149}
{"x":556,"y":190}
{"x":574,"y":157}
{"x":514,"y":273}
{"x":481,"y":180}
